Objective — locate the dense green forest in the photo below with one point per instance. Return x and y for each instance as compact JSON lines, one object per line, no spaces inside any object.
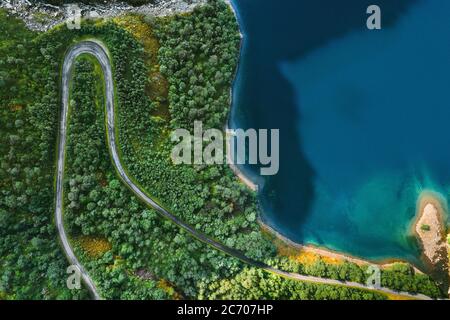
{"x":257,"y":284}
{"x":32,"y":264}
{"x":168,"y":72}
{"x":197,"y":55}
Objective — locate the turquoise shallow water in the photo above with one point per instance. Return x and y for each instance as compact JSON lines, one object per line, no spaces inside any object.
{"x":363,"y":117}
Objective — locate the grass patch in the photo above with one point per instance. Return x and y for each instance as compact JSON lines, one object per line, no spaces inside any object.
{"x":95,"y":247}
{"x":169,"y":288}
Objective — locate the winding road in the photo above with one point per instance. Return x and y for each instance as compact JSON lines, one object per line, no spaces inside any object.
{"x":99,"y":51}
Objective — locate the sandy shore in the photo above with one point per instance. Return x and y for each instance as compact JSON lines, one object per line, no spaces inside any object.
{"x":309,"y":248}
{"x":245,"y":180}
{"x":429,"y":227}
{"x":329,"y":256}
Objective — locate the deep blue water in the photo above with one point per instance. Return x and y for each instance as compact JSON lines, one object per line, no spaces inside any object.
{"x":363,"y":116}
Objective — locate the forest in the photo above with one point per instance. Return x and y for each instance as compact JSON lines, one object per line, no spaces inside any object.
{"x":168,"y":72}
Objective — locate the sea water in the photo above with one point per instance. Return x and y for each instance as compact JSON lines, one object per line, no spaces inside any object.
{"x":363,"y":117}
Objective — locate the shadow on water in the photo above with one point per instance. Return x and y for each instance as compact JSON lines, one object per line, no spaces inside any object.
{"x":277,"y":31}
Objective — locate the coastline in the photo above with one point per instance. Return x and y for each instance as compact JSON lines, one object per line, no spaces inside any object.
{"x":236,"y":15}
{"x":242,"y":177}
{"x":319,"y":251}
{"x":328,"y":254}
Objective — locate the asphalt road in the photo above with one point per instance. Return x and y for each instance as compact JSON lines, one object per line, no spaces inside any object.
{"x":99,"y":51}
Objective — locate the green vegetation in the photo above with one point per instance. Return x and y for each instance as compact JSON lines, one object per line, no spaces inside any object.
{"x":168,"y":73}
{"x":31,"y":262}
{"x":198,"y":55}
{"x":401,"y":277}
{"x":256,"y":284}
{"x":425,"y":227}
{"x":89,"y":189}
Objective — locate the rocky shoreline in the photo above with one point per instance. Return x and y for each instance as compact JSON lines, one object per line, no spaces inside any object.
{"x":41,"y":16}
{"x":430,"y":229}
